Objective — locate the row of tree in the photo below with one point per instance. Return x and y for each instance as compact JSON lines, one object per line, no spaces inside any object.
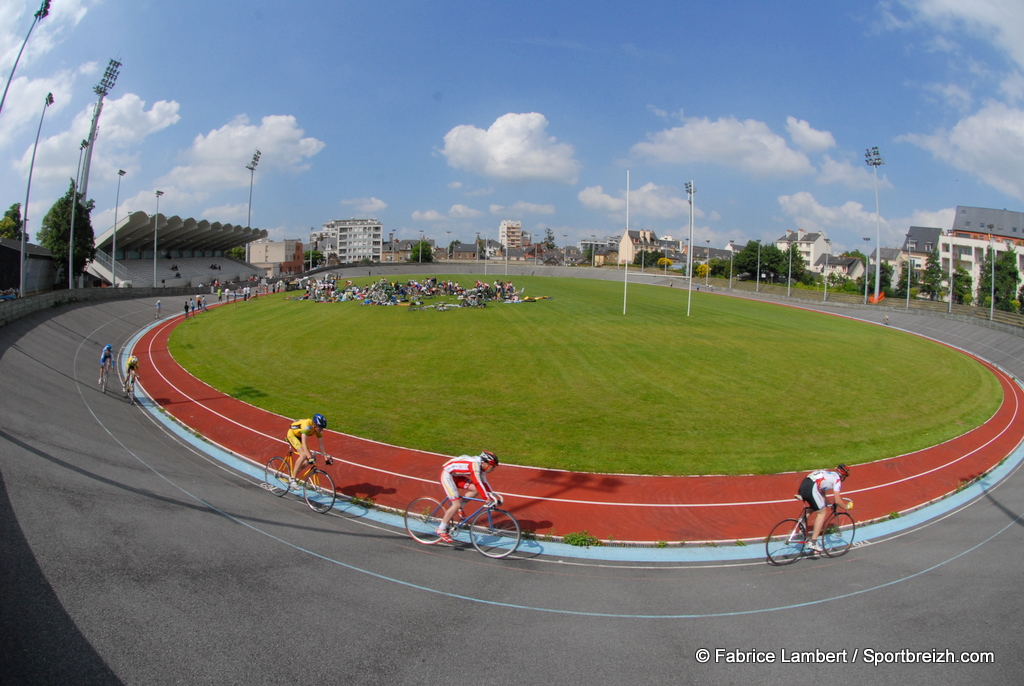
{"x":55,"y":230}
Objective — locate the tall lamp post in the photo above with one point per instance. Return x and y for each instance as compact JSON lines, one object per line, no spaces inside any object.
{"x":824,"y":298}
{"x":113,"y":248}
{"x":874,"y":160}
{"x":44,"y":10}
{"x":950,"y":310}
{"x":101,"y":89}
{"x":757,"y":284}
{"x":689,"y":247}
{"x":74,"y":211}
{"x":419,"y":249}
{"x":156,"y":226}
{"x":707,"y":263}
{"x":28,"y":191}
{"x":910,"y":269}
{"x":448,"y":252}
{"x":252,"y":173}
{"x":789,"y":276}
{"x":866,"y":263}
{"x":732,"y":254}
{"x":992,"y":277}
{"x":593,"y":250}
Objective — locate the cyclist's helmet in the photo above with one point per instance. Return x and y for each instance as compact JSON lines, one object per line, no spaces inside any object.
{"x":108,"y":347}
{"x":133,"y":360}
{"x":488,"y":458}
{"x":843,"y":470}
{"x":320,"y":421}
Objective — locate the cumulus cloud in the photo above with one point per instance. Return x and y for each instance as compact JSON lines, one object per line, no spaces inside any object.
{"x":998,"y":22}
{"x":522,"y":208}
{"x":845,"y":224}
{"x":463,"y":212}
{"x":427,"y":216}
{"x":856,"y":177}
{"x":749,"y":146}
{"x":515,"y":148}
{"x":650,"y":200}
{"x":988,"y":144}
{"x":808,"y":138}
{"x":366,"y":205}
{"x":216,"y":160}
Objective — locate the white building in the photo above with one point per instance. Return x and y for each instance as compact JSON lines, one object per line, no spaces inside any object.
{"x":510,"y":233}
{"x":348,"y":241}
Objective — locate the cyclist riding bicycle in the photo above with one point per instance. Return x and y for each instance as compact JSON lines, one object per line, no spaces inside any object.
{"x":106,"y":361}
{"x":298,"y":435}
{"x":812,"y":490}
{"x":469,"y":473}
{"x":131,"y":371}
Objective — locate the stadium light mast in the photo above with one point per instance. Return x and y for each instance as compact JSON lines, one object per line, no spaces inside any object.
{"x":44,"y":10}
{"x":757,"y":283}
{"x":625,"y":266}
{"x":156,"y":225}
{"x":101,"y":89}
{"x":252,"y":174}
{"x":874,"y":160}
{"x":74,"y":211}
{"x":24,"y":217}
{"x":689,"y":248}
{"x":867,"y":242}
{"x":113,"y":248}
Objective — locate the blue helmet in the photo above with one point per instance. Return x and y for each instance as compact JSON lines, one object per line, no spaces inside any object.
{"x":320,"y":421}
{"x":108,"y":347}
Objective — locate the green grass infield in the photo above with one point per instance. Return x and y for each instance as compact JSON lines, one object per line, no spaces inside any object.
{"x":569,"y":382}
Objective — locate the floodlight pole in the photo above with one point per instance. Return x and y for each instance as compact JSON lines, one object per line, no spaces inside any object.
{"x":28,"y":190}
{"x":732,"y":254}
{"x":156,"y":227}
{"x":757,"y":283}
{"x":867,"y":261}
{"x":950,"y":310}
{"x":789,"y":276}
{"x":689,"y":248}
{"x":101,"y":89}
{"x":41,"y":14}
{"x":252,"y":173}
{"x":824,"y":297}
{"x":910,"y":267}
{"x":74,"y":211}
{"x":874,"y":160}
{"x":113,"y":249}
{"x":625,"y":267}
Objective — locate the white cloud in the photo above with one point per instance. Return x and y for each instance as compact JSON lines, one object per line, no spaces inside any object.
{"x":427,"y":216}
{"x":846,"y":225}
{"x":521,"y":208}
{"x":999,"y":22}
{"x":856,"y":177}
{"x":807,"y":138}
{"x":218,"y":159}
{"x":455,"y":185}
{"x":463,"y":212}
{"x":367,"y":206}
{"x":514,"y":148}
{"x":988,"y":144}
{"x":749,"y":146}
{"x":650,"y":200}
{"x":952,"y":95}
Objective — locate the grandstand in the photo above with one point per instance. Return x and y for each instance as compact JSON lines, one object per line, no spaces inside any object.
{"x":190,"y":252}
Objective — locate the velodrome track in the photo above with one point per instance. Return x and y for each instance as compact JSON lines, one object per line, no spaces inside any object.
{"x":131,"y":557}
{"x":609,"y":506}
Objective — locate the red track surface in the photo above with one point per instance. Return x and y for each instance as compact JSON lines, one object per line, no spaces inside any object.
{"x":622,"y":507}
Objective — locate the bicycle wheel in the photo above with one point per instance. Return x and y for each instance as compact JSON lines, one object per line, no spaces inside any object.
{"x":785,"y":544}
{"x":278,"y":476}
{"x":837,"y":536}
{"x":421,"y":520}
{"x":318,"y":491}
{"x":495,"y":533}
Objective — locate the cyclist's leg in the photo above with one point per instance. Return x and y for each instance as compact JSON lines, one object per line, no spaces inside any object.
{"x":296,"y":453}
{"x":452,"y":491}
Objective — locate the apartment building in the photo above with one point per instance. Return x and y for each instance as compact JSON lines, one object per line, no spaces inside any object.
{"x":348,"y":241}
{"x":277,"y":257}
{"x":510,"y":233}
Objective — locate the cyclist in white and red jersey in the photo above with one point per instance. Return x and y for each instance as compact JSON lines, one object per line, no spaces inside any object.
{"x":812,"y":490}
{"x":466,"y":472}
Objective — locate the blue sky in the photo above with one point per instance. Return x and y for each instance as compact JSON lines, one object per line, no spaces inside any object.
{"x":451,"y":116}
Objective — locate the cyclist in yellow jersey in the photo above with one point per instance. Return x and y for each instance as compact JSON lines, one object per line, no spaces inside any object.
{"x":298,"y":435}
{"x":131,"y":370}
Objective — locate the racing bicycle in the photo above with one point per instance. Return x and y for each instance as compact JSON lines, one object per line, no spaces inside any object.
{"x":788,"y":540}
{"x":317,"y":485}
{"x":129,"y":387}
{"x":493,"y":532}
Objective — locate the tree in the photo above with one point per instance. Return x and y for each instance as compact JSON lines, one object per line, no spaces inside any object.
{"x":645,"y":258}
{"x":10,"y":225}
{"x":317,"y":257}
{"x":238,"y":252}
{"x":56,"y":231}
{"x":797,"y":267}
{"x":549,"y":239}
{"x":931,"y":279}
{"x":962,"y":286}
{"x":421,"y":252}
{"x":1006,"y":282}
{"x":906,"y":272}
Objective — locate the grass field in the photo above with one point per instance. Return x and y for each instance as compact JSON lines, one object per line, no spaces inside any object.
{"x":738,"y":387}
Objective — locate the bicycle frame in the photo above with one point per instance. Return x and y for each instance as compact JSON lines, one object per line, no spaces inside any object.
{"x":492,"y":531}
{"x":787,"y":541}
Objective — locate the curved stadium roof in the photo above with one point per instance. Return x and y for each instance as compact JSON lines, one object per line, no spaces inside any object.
{"x":135,"y":233}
